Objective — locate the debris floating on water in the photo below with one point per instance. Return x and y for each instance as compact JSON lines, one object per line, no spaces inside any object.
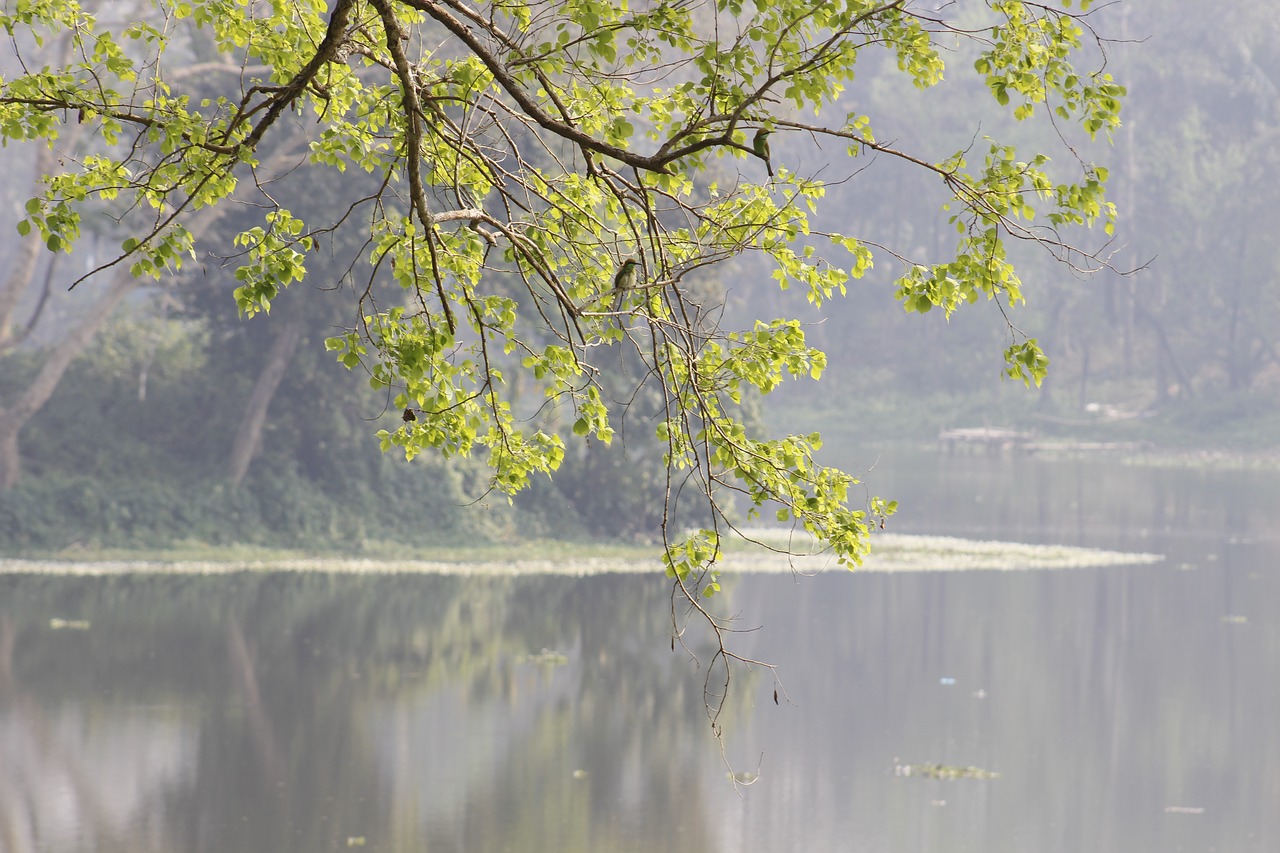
{"x":943,"y":771}
{"x":546,"y":657}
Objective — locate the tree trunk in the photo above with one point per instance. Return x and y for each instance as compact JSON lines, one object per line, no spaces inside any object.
{"x":1168,"y":357}
{"x":15,"y":416}
{"x":249,"y":434}
{"x":1084,"y":378}
{"x":1053,"y":332}
{"x":1238,"y":347}
{"x":1129,"y":297}
{"x":22,"y":262}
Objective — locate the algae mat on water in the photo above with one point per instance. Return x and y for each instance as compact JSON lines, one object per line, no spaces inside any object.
{"x":890,"y":553}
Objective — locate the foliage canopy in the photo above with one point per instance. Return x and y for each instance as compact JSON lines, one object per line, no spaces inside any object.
{"x":519,"y":152}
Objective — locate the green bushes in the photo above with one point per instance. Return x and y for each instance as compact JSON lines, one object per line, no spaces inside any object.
{"x":106,"y":466}
{"x":103,"y":468}
{"x":272,"y":508}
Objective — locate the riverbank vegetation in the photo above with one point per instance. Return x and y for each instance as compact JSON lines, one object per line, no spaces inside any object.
{"x":130,"y":453}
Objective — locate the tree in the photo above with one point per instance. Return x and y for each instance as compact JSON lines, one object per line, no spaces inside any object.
{"x":524,"y":151}
{"x":1195,"y":185}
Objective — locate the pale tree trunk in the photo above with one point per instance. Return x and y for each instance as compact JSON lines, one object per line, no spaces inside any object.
{"x":1168,"y":360}
{"x":22,"y":263}
{"x":15,"y":416}
{"x":1057,"y":310}
{"x":249,"y":434}
{"x":1129,"y":302}
{"x":248,"y":438}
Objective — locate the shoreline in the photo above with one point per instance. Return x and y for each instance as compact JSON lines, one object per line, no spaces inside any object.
{"x":892,"y":552}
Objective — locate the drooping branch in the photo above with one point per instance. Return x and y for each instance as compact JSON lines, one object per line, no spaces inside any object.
{"x":413,"y":145}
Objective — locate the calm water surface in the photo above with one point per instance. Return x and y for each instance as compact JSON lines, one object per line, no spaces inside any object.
{"x":1126,"y":710}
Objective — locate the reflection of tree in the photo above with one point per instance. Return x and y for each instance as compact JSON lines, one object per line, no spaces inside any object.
{"x":242,"y":664}
{"x":611,"y":761}
{"x":326,"y":707}
{"x":52,"y":767}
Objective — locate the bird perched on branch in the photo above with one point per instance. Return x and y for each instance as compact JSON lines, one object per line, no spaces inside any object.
{"x":627,"y":277}
{"x":760,"y":145}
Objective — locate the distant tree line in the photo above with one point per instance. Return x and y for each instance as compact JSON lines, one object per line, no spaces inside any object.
{"x":1192,"y":330}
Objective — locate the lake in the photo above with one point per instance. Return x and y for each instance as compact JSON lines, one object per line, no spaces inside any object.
{"x":1126,"y":709}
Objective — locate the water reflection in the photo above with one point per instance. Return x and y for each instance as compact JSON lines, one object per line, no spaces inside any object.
{"x":1125,"y":709}
{"x":296,"y":712}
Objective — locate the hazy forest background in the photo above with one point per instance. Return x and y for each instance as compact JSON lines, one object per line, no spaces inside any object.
{"x":176,"y":423}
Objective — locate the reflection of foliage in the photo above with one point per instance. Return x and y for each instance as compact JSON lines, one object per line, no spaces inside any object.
{"x":296,"y":675}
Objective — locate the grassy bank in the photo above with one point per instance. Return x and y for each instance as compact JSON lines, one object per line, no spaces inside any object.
{"x":891,"y":553}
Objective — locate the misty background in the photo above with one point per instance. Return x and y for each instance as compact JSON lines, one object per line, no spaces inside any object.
{"x":177,"y":423}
